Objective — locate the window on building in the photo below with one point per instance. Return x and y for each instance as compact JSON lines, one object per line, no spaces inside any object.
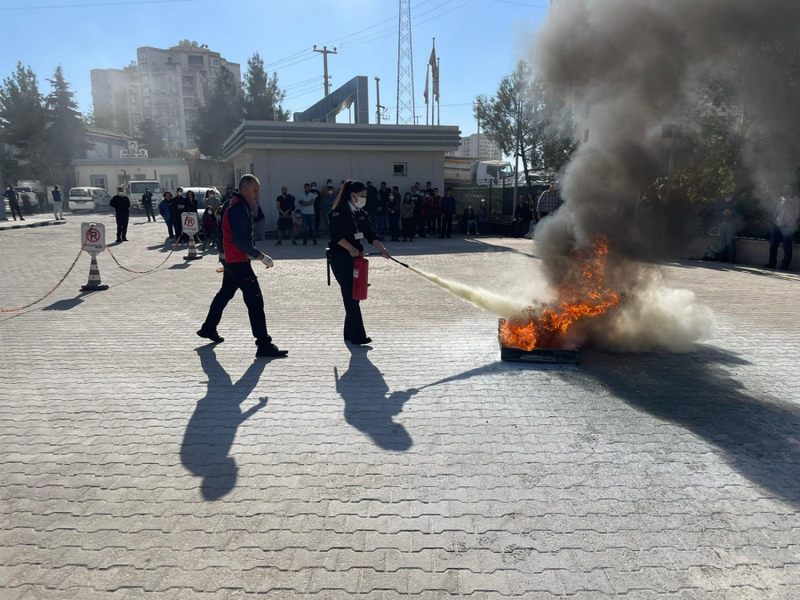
{"x":169,"y":182}
{"x":252,"y":167}
{"x":98,"y":181}
{"x":196,"y":59}
{"x":400,"y":169}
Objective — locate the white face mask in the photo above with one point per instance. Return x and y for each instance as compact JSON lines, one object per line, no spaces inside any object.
{"x":359,"y":202}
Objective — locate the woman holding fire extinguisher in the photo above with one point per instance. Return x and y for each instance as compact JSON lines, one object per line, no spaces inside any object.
{"x":350,"y":226}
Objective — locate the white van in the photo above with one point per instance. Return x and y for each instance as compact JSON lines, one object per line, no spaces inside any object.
{"x":88,"y":198}
{"x":136,"y":191}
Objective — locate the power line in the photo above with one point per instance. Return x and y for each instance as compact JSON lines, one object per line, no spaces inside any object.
{"x":297,"y":57}
{"x":92,"y":4}
{"x":528,"y":4}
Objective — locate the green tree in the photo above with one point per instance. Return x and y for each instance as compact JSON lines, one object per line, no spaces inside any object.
{"x":66,"y":136}
{"x":101,"y":120}
{"x":523,"y":119}
{"x":262,"y":95}
{"x":219,"y":115}
{"x":23,"y":126}
{"x":151,"y":137}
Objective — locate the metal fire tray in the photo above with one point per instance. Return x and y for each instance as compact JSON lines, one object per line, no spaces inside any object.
{"x":546,"y":356}
{"x":538,"y":356}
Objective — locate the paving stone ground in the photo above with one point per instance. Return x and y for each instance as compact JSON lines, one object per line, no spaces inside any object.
{"x":137,"y":462}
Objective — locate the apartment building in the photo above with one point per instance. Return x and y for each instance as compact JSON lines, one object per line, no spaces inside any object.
{"x":477,"y":146}
{"x":164,"y":84}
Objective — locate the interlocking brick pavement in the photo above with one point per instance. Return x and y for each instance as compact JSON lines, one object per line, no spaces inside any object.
{"x":137,"y":462}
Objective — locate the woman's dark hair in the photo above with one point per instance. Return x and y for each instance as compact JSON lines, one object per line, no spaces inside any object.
{"x":349,"y":187}
{"x":407,"y":197}
{"x":190,"y":192}
{"x":167,"y":192}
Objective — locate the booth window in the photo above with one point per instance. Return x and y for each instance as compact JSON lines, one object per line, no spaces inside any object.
{"x":400,"y":169}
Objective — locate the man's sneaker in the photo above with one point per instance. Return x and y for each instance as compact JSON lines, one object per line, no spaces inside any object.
{"x":210,"y":335}
{"x":271,"y":350}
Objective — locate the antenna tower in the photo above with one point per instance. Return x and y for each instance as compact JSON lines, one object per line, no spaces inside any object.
{"x":405,"y":66}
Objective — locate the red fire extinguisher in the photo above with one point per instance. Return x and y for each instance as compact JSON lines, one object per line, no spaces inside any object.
{"x":360,"y":278}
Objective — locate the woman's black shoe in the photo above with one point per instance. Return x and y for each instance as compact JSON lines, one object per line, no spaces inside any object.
{"x":361,"y":342}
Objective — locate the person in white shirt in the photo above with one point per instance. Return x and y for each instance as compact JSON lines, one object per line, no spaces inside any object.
{"x":306,"y":202}
{"x":784,"y":225}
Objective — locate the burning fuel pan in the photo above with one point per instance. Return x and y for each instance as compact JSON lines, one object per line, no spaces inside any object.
{"x":540,"y":356}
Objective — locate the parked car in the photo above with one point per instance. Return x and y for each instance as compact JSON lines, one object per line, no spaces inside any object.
{"x":88,"y":198}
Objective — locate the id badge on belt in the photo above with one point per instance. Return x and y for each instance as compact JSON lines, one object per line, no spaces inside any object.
{"x":359,"y":236}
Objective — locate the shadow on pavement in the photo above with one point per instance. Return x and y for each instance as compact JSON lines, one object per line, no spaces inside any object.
{"x":67,"y":303}
{"x":735,"y":268}
{"x":212,"y":428}
{"x":369,"y":405}
{"x":695,"y":391}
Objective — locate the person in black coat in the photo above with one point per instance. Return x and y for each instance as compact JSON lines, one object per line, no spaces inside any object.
{"x":350,"y":225}
{"x":122,"y":206}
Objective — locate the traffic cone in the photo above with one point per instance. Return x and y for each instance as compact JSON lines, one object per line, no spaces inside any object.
{"x":94,"y":284}
{"x":193,"y":255}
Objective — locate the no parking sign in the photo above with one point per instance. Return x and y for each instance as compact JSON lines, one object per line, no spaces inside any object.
{"x":93,"y":237}
{"x":190,"y":223}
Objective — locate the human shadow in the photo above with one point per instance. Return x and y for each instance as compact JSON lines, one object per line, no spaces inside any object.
{"x":212,"y":428}
{"x":758,"y":434}
{"x":369,"y":405}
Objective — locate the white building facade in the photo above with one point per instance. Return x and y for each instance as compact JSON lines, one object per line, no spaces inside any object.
{"x":291,"y":154}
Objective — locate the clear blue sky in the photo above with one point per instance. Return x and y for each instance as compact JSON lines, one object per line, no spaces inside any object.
{"x":478,"y":41}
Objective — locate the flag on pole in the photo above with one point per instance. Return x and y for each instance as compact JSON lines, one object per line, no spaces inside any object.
{"x":434,"y":64}
{"x":425,"y":93}
{"x":436,"y":82}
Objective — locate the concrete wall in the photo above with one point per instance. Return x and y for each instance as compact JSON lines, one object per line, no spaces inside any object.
{"x":210,"y":172}
{"x":84,"y":172}
{"x":749,"y":251}
{"x":293,"y":168}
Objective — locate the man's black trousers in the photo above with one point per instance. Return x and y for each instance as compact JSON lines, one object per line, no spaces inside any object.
{"x":122,"y":226}
{"x":240,"y":276}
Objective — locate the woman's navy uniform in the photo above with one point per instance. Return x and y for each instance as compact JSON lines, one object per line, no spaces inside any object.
{"x":353,"y":225}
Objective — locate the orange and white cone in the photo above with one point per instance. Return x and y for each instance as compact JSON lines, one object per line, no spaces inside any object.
{"x":95,"y":283}
{"x":193,"y":255}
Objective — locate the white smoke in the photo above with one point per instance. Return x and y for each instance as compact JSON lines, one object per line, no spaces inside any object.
{"x":627,"y":68}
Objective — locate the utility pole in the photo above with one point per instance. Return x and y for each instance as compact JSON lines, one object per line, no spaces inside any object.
{"x":478,"y":136}
{"x":378,"y":107}
{"x":438,"y":101}
{"x":326,"y":82}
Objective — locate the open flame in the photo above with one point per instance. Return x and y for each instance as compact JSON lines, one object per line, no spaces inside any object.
{"x":583,"y":297}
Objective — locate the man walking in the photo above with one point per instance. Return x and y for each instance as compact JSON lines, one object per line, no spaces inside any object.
{"x":147,"y":204}
{"x":121,"y":205}
{"x":307,"y":212}
{"x":13,"y":202}
{"x":238,"y":248}
{"x":783,"y":227}
{"x":57,"y":206}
